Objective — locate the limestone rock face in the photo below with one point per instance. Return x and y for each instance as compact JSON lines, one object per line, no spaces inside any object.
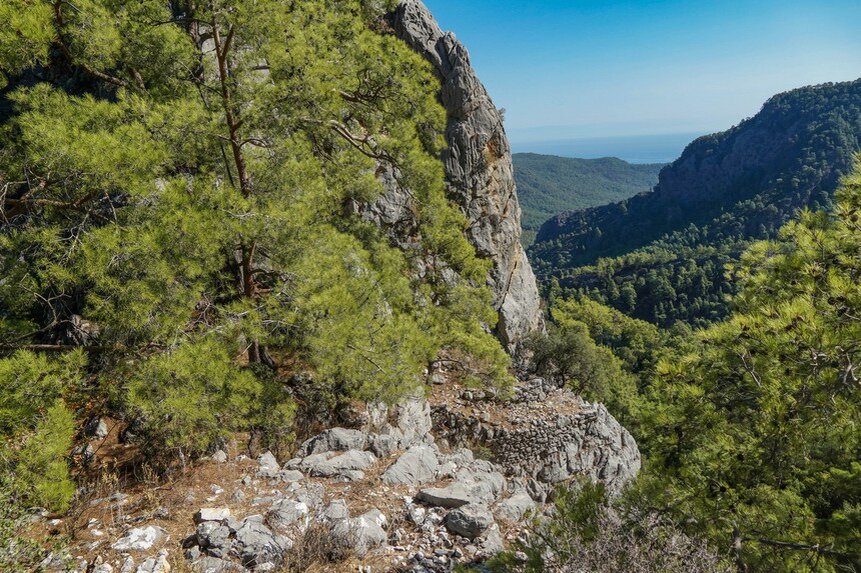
{"x":455,"y":495}
{"x":404,"y":424}
{"x":334,"y":440}
{"x":479,"y":173}
{"x":140,"y":538}
{"x":361,"y":534}
{"x":514,"y":508}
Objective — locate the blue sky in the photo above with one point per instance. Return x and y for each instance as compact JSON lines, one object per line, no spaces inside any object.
{"x":586,"y":69}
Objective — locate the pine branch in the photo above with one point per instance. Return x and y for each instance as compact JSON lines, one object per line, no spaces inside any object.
{"x":802,"y":547}
{"x":50,"y":347}
{"x":58,"y":15}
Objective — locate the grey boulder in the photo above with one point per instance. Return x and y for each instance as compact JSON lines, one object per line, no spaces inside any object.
{"x":383,"y":445}
{"x":397,"y":427}
{"x":158,"y":564}
{"x":214,"y":538}
{"x":491,"y":542}
{"x":336,"y":511}
{"x":479,"y":483}
{"x":454,"y":495}
{"x":140,"y":538}
{"x":334,"y":440}
{"x":258,"y":544}
{"x":212,"y":514}
{"x":361,"y":534}
{"x":515,"y":507}
{"x":323,"y":465}
{"x":484,"y":478}
{"x":268,"y":465}
{"x":286,"y":513}
{"x":351,"y":475}
{"x":309,"y":493}
{"x":290,"y":475}
{"x":418,"y":465}
{"x":470,"y":520}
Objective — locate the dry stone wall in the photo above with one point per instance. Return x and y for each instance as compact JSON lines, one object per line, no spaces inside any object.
{"x":540,"y":441}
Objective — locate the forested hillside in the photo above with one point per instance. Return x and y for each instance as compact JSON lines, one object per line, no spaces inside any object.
{"x":175,"y":234}
{"x":548,"y":185}
{"x":749,"y":426}
{"x":264,"y":308}
{"x":661,"y":256}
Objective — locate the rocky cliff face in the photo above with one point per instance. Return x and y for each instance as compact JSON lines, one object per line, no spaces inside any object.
{"x":479,"y":171}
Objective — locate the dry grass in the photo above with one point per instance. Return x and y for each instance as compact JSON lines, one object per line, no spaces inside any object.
{"x":502,"y":413}
{"x":315,"y":550}
{"x":170,"y":500}
{"x":167,"y":501}
{"x":178,"y":563}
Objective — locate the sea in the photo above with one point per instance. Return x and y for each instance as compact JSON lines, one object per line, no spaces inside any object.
{"x":663,"y":148}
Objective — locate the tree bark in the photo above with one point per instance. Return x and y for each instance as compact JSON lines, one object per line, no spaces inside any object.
{"x":234,"y":123}
{"x":222,"y":50}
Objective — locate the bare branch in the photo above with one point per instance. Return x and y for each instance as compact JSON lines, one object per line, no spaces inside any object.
{"x":816,"y":548}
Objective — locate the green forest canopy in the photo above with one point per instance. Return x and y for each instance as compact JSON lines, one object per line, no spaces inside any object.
{"x":662,"y":256}
{"x":174,"y":179}
{"x":548,"y":185}
{"x":750,"y":427}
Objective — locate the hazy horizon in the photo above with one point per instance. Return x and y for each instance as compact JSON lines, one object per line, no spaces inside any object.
{"x":658,"y":148}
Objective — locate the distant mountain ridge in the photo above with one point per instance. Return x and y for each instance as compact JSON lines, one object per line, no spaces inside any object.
{"x":724,"y":191}
{"x":638,"y":149}
{"x":548,"y":184}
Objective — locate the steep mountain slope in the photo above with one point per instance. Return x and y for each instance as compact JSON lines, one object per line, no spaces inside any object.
{"x":548,"y":185}
{"x":725,"y":190}
{"x":479,"y":173}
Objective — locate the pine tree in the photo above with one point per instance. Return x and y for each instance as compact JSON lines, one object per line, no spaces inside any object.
{"x":754,"y":431}
{"x":184,"y":176}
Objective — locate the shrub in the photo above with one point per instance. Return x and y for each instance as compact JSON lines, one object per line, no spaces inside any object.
{"x":586,"y":534}
{"x":36,"y":427}
{"x":40,"y":474}
{"x":190,"y":398}
{"x":569,"y":356}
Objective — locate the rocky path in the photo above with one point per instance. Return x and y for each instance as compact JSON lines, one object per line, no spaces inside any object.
{"x":406,"y":491}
